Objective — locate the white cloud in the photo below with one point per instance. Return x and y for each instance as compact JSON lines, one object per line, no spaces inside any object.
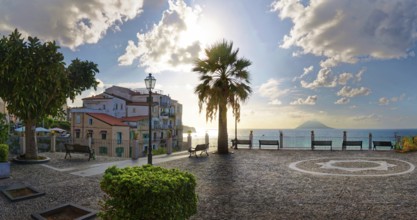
{"x":383,"y":101}
{"x":310,"y":100}
{"x":372,"y":117}
{"x":271,"y":90}
{"x":324,"y":78}
{"x":173,"y":43}
{"x":347,"y":91}
{"x":387,"y":101}
{"x":350,"y":31}
{"x":342,"y":101}
{"x":358,"y":76}
{"x":71,"y":23}
{"x":307,"y":70}
{"x":344,"y":78}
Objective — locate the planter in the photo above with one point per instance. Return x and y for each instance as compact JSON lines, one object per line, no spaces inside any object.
{"x":4,"y":170}
{"x":66,"y":211}
{"x":18,"y":193}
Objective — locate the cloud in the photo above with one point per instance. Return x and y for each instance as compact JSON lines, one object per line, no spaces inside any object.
{"x":171,"y":44}
{"x":324,"y":78}
{"x":366,"y":117}
{"x":387,"y":101}
{"x":350,"y":31}
{"x":307,"y":70}
{"x":347,"y":91}
{"x":310,"y":100}
{"x":344,"y":78}
{"x":271,"y":90}
{"x":383,"y":101}
{"x":342,"y":101}
{"x":70,"y":23}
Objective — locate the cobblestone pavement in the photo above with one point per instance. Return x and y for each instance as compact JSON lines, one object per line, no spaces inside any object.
{"x":248,"y":184}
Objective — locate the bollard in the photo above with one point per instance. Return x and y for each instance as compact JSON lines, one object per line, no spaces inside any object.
{"x":312,"y":140}
{"x":370,"y":141}
{"x":344,"y":139}
{"x":281,"y":139}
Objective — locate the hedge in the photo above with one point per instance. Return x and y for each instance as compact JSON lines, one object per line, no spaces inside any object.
{"x":4,"y":152}
{"x":148,"y":192}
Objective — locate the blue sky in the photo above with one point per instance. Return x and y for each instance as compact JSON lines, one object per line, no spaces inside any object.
{"x":348,"y":64}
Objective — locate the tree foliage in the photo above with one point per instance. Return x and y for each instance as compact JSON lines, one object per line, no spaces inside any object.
{"x":35,"y":82}
{"x":224,"y":83}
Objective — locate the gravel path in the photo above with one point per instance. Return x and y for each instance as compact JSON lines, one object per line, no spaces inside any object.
{"x":249,"y":184}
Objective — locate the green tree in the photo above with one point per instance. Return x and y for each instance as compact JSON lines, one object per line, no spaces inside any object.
{"x":4,"y":129}
{"x":35,"y":82}
{"x":224,"y":83}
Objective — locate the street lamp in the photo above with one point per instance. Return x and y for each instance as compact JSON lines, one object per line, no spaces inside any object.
{"x":150,"y":84}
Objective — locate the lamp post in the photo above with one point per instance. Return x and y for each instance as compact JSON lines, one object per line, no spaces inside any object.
{"x":150,"y":84}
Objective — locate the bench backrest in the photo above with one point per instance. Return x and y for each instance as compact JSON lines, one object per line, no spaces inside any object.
{"x":77,"y":148}
{"x":201,"y":147}
{"x":243,"y":141}
{"x":352,"y":143}
{"x":322,"y":143}
{"x":269,"y":142}
{"x":382,"y":143}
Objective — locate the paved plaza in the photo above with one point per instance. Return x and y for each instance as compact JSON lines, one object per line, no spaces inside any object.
{"x":248,"y":184}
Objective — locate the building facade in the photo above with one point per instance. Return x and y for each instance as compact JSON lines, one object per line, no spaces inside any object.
{"x":117,"y":117}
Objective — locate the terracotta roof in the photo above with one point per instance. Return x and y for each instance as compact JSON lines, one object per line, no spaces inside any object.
{"x":108,"y":119}
{"x":134,"y":118}
{"x":99,"y":96}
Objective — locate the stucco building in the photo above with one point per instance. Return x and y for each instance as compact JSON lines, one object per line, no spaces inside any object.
{"x":118,"y":116}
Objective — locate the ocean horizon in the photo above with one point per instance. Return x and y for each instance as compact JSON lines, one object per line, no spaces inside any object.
{"x":301,"y":138}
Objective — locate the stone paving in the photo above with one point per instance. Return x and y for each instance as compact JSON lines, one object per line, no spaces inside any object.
{"x":248,"y":184}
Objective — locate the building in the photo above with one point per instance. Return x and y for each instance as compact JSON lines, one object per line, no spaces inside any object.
{"x":118,"y":116}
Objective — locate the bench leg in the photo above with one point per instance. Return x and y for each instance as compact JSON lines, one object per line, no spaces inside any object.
{"x":69,"y":154}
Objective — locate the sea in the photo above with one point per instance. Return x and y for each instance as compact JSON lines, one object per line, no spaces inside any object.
{"x":301,"y":138}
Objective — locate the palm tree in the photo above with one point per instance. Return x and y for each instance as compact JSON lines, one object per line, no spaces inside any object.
{"x":224,"y":83}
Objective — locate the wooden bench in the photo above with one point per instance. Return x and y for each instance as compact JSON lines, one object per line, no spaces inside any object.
{"x":200,"y":147}
{"x":351,"y":143}
{"x":268,"y":142}
{"x":321,"y":143}
{"x":78,"y":148}
{"x":382,"y":144}
{"x":237,"y":142}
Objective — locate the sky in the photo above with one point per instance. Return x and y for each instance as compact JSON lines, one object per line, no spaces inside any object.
{"x":347,"y":64}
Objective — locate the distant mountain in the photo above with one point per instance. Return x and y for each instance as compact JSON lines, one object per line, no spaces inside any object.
{"x":313,"y":125}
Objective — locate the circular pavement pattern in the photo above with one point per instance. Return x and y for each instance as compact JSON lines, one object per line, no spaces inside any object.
{"x":367,"y":166}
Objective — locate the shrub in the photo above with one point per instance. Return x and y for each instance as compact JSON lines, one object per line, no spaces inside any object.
{"x":408,"y":144}
{"x":148,"y":192}
{"x":159,"y":151}
{"x":4,"y":152}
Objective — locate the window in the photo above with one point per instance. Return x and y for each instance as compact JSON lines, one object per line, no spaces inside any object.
{"x":154,"y":135}
{"x":162,"y":135}
{"x":104,"y":107}
{"x":103,"y":135}
{"x":116,"y":106}
{"x":134,"y":110}
{"x":90,"y":121}
{"x":119,"y":137}
{"x":77,"y":133}
{"x":78,"y":119}
{"x":121,"y":106}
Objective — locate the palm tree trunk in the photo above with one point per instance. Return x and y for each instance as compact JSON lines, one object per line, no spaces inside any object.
{"x":222,"y":145}
{"x":31,"y":148}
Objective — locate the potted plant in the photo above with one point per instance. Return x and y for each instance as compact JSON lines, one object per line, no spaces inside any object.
{"x":4,"y":161}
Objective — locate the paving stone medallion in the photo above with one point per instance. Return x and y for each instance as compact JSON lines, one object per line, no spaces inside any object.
{"x":353,"y":166}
